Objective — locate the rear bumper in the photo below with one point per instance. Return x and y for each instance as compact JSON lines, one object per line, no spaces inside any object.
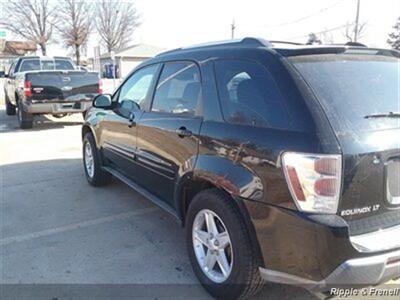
{"x":358,"y":272}
{"x":317,"y":252}
{"x":57,"y":108}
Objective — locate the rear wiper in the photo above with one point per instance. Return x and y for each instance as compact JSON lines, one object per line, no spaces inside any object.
{"x":386,"y":115}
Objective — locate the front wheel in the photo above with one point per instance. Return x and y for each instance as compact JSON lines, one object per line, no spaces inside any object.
{"x":95,"y":175}
{"x":219,"y":247}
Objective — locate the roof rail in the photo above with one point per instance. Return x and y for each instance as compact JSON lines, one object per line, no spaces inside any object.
{"x":248,"y":41}
{"x":286,"y":42}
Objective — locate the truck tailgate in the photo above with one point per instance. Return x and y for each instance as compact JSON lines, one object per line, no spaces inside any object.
{"x":63,"y":86}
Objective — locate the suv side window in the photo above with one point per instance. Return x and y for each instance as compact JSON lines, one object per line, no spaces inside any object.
{"x":249,"y":95}
{"x":135,"y":91}
{"x":178,"y":90}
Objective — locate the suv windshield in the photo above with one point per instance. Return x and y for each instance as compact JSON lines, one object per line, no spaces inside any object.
{"x":351,"y":87}
{"x":48,"y":64}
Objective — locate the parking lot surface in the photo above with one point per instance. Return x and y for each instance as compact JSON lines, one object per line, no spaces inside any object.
{"x":56,"y":229}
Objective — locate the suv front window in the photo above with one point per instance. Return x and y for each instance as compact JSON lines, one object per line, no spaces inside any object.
{"x":135,"y":90}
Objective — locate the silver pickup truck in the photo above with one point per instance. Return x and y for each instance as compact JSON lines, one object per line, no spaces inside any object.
{"x":42,"y":85}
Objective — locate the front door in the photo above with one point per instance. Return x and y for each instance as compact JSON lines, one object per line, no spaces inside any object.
{"x":167,"y":141}
{"x":118,"y":128}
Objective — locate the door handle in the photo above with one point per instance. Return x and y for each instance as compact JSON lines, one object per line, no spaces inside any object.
{"x":183,"y":132}
{"x":131,"y":120}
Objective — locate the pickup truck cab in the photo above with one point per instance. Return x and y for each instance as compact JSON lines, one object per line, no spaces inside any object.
{"x":43,"y":85}
{"x":282,"y":161}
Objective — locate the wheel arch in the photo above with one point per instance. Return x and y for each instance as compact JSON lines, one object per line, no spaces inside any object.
{"x":191,"y":185}
{"x":86,"y":128}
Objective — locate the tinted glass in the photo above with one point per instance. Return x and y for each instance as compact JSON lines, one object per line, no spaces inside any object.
{"x":352,"y":86}
{"x":178,"y":90}
{"x":47,"y":65}
{"x":134,"y":91}
{"x":62,"y":64}
{"x":30,"y":65}
{"x":249,"y":95}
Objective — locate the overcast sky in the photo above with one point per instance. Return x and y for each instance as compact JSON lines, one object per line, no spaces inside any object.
{"x":175,"y":23}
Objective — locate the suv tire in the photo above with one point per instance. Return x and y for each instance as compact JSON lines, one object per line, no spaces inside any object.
{"x":244,"y":279}
{"x":95,"y":175}
{"x":25,"y":120}
{"x":10,"y":109}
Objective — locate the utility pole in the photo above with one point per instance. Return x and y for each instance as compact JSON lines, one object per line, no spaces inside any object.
{"x":233,"y":27}
{"x":357,"y":18}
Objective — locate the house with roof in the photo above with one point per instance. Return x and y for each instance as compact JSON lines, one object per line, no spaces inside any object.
{"x":125,"y":60}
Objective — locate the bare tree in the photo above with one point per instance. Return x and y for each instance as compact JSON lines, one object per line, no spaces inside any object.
{"x":313,"y":39}
{"x":394,"y":37}
{"x":116,"y":21}
{"x":350,"y":31}
{"x":30,"y":19}
{"x":75,"y":24}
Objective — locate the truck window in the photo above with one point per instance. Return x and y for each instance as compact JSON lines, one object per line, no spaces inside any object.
{"x":63,"y":64}
{"x":48,"y":64}
{"x":30,"y":65}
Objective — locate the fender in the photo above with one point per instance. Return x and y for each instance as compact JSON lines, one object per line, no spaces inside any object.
{"x":234,"y":178}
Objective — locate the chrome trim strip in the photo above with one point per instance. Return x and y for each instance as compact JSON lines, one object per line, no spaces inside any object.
{"x":126,"y":151}
{"x":380,"y":240}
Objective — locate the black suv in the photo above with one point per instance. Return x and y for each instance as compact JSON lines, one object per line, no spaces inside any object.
{"x":282,"y":161}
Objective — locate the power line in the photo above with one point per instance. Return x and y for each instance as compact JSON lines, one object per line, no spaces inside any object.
{"x":306,"y":17}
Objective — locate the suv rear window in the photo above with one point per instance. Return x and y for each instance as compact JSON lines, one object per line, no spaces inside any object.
{"x":353,"y":86}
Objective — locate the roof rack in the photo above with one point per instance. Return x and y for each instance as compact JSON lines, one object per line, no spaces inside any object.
{"x":286,"y":42}
{"x":245,"y":42}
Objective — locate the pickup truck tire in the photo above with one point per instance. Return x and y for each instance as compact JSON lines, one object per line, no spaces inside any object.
{"x":243,"y":279}
{"x":25,"y":119}
{"x":95,"y":175}
{"x":10,"y":109}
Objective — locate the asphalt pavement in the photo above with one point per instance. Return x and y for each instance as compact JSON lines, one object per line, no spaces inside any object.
{"x":58,"y":232}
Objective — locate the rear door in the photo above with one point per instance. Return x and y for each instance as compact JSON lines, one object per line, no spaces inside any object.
{"x":118,"y":128}
{"x":167,"y":145}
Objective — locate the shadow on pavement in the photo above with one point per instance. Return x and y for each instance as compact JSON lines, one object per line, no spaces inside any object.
{"x":62,"y":213}
{"x":41,"y":122}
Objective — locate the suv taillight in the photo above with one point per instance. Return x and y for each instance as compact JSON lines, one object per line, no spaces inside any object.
{"x":314,"y":180}
{"x":28,"y":89}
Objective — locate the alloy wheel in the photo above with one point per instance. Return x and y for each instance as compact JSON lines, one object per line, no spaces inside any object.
{"x":212,"y":246}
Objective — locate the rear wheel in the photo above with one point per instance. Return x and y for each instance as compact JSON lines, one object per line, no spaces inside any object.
{"x":95,"y":175}
{"x":25,"y":120}
{"x":10,"y":109}
{"x":219,"y":247}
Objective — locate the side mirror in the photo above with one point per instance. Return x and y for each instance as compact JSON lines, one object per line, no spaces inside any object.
{"x":102,"y":101}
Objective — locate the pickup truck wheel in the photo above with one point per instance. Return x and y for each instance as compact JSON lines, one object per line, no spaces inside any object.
{"x":10,"y":109}
{"x":219,"y":247}
{"x":25,"y":119}
{"x":95,"y":175}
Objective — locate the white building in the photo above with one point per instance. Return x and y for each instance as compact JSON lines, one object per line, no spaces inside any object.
{"x":128,"y":58}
